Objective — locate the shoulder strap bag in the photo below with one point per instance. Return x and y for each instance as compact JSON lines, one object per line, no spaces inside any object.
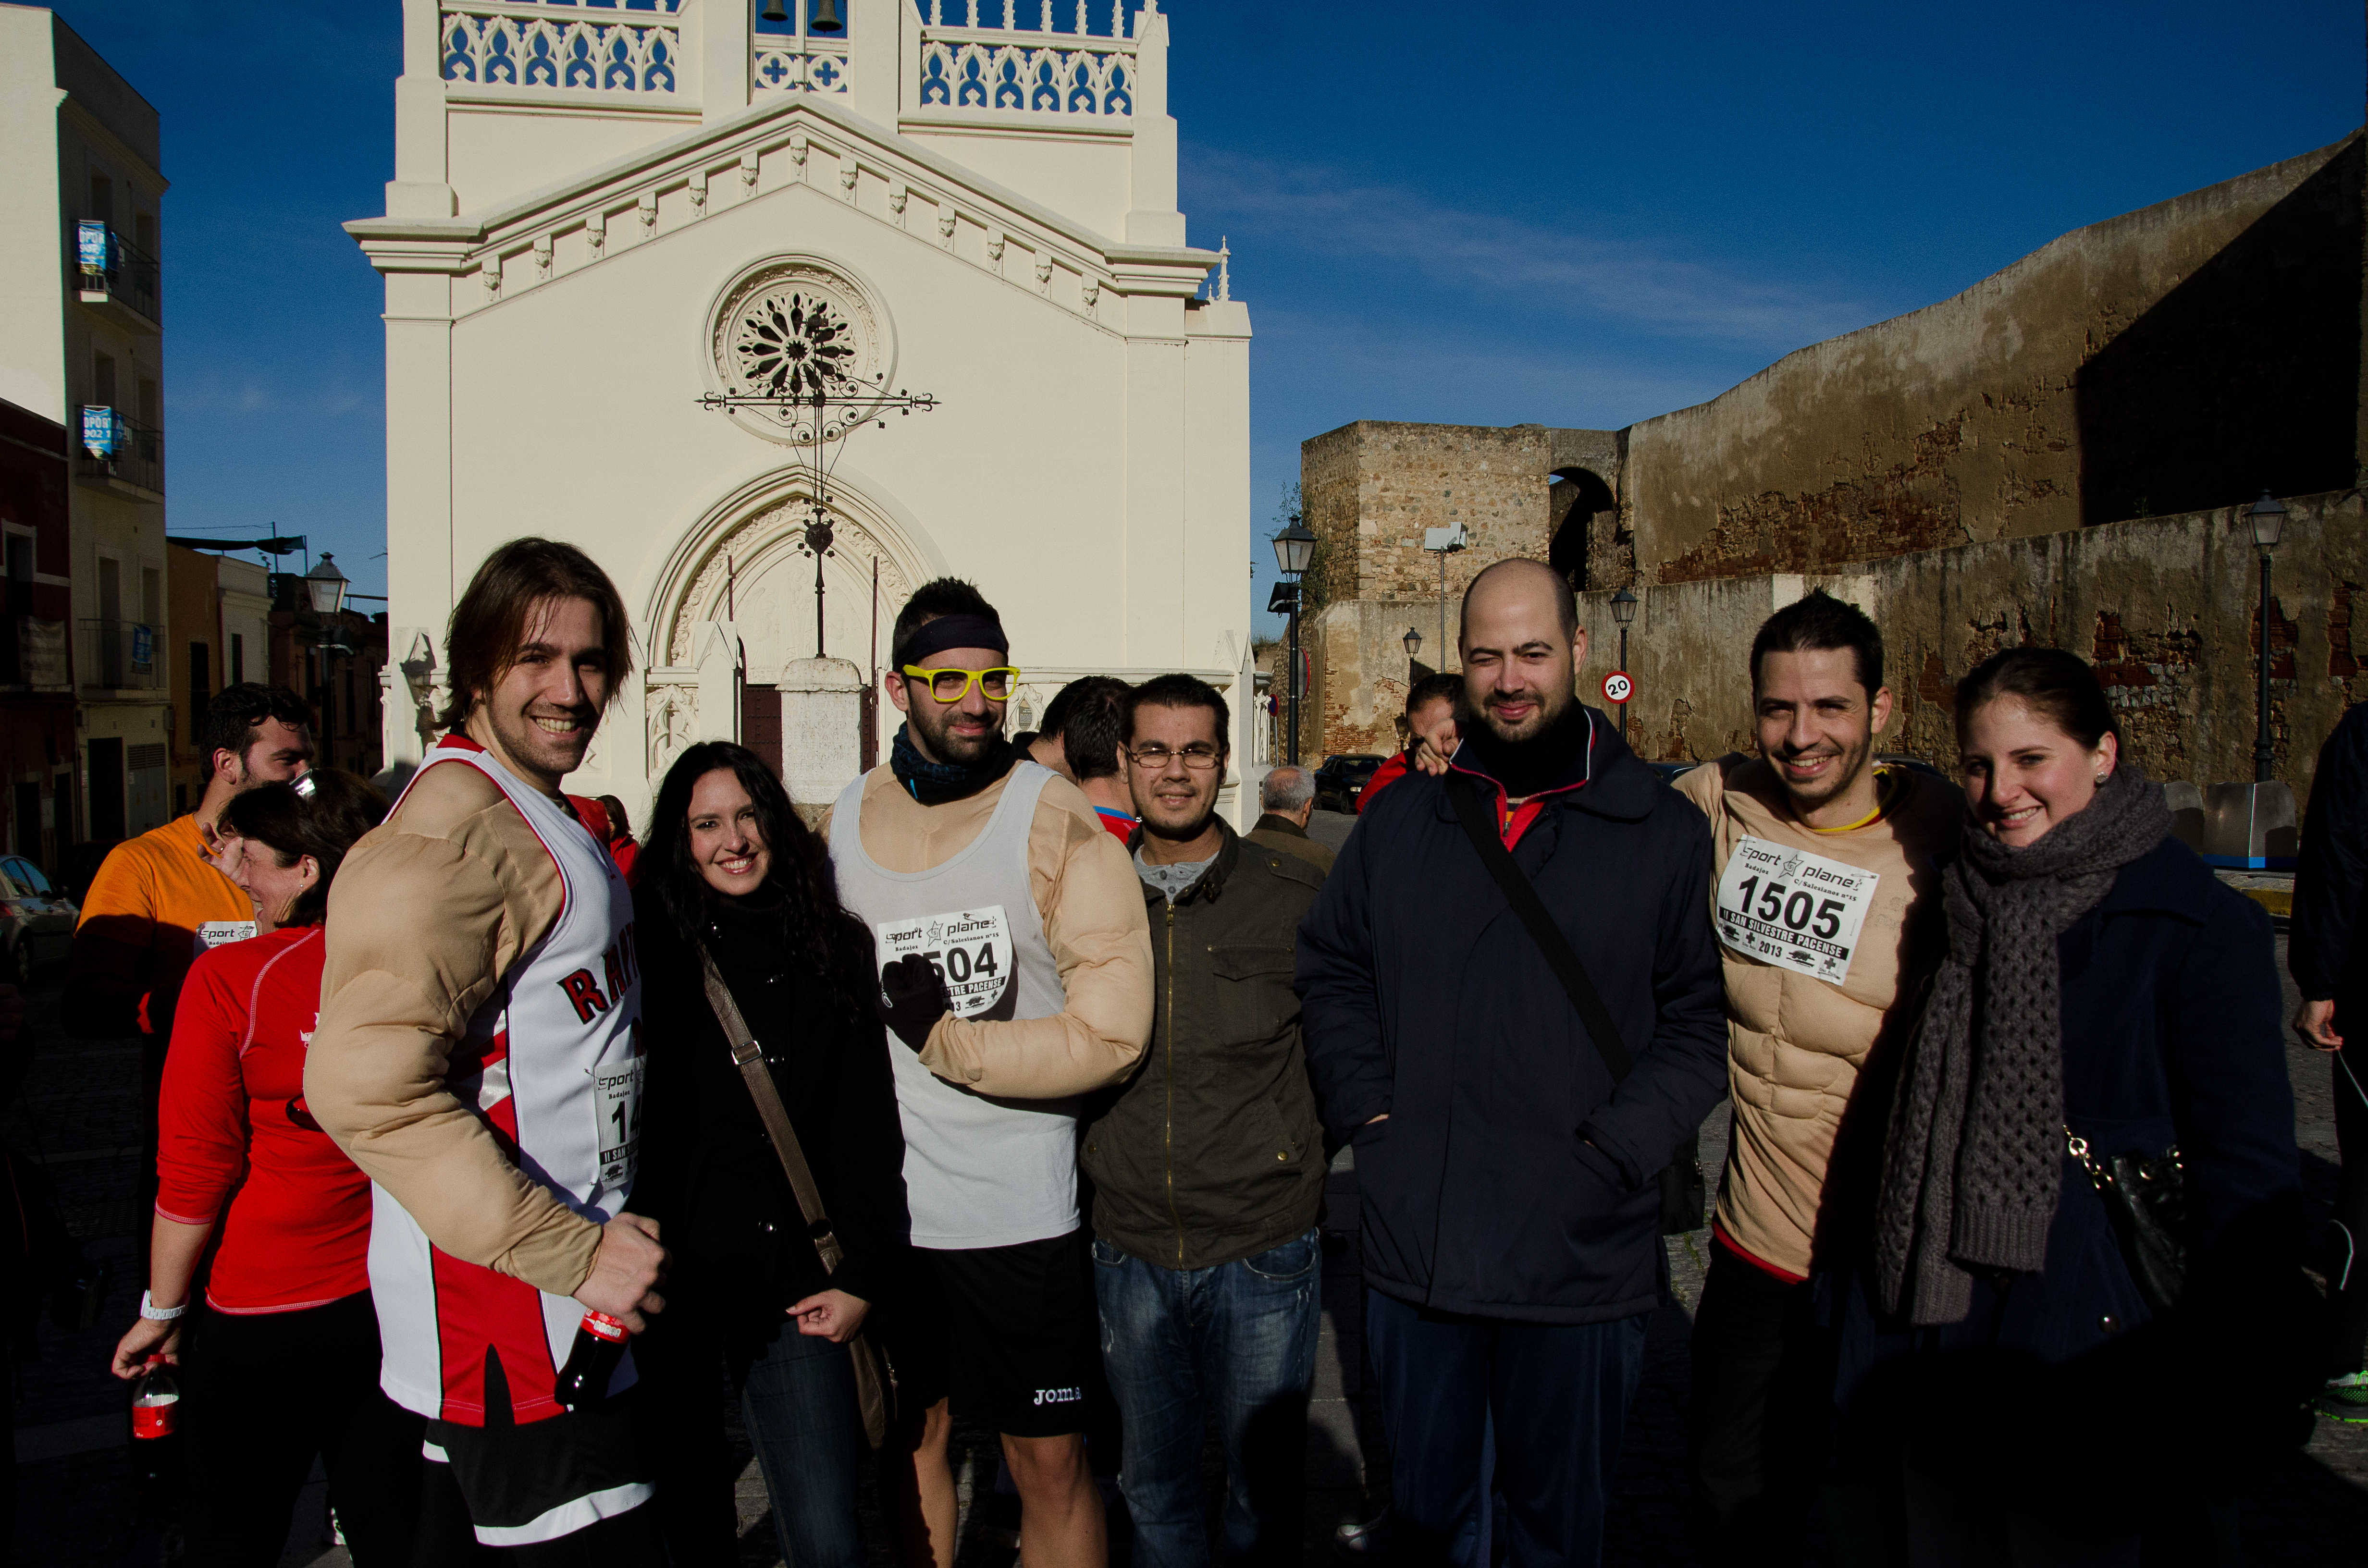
{"x":1683,"y":1193}
{"x":875,"y":1377}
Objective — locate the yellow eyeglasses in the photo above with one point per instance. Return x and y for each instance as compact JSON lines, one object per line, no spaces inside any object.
{"x":952,"y":685}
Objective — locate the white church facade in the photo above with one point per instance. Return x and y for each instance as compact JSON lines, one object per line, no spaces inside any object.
{"x":603,"y":213}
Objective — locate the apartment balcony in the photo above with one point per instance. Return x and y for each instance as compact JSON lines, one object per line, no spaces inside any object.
{"x":118,"y":279}
{"x":121,"y":656}
{"x":121,"y":456}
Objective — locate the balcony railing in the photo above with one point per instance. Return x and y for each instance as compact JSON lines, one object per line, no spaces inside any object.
{"x":122,"y":656}
{"x":118,"y":451}
{"x":115,"y":271}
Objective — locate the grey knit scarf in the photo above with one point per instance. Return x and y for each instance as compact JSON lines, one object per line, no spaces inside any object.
{"x":1974,"y":1152}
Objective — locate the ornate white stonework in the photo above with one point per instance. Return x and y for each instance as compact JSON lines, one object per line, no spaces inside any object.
{"x":600,"y":215}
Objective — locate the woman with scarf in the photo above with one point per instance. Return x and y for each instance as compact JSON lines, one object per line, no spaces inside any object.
{"x":730,"y":873}
{"x":2052,"y":1395}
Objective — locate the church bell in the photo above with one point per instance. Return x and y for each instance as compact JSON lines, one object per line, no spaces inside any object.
{"x":825,"y":17}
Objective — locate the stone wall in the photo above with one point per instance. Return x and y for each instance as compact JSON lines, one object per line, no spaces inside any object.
{"x":1370,"y":489}
{"x":2178,"y":358}
{"x":2164,"y":607}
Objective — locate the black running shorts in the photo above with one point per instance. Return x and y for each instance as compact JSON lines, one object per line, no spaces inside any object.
{"x":528,"y":1484}
{"x":1008,"y":1332}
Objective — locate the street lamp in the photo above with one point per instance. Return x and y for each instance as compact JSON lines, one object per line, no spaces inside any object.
{"x":325,"y":587}
{"x":2269,"y":520}
{"x":1295,"y":549}
{"x":1623,"y":610}
{"x":1412,"y":643}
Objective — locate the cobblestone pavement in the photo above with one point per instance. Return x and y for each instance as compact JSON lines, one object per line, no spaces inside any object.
{"x":79,"y":1114}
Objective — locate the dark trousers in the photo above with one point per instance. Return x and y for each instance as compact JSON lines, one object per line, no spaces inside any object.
{"x":2351,"y":1068}
{"x":798,"y":1403}
{"x":263,"y":1393}
{"x":1762,"y":1412}
{"x":1556,"y":1396}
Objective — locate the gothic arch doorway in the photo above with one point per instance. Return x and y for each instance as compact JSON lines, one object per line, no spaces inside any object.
{"x":1575,"y":498}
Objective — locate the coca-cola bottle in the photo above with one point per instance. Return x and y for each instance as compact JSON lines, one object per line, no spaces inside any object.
{"x":156,"y":1441}
{"x":592,"y":1361}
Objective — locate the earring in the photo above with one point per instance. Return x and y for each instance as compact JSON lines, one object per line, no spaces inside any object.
{"x":2101,"y":780}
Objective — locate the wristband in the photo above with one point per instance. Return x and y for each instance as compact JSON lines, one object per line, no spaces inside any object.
{"x":154,"y":1313}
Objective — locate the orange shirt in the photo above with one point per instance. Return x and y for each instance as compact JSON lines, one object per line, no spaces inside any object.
{"x":157,"y":903}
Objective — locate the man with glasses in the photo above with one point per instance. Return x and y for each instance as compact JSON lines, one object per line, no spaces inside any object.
{"x":1208,"y":1167}
{"x":1016,"y":972}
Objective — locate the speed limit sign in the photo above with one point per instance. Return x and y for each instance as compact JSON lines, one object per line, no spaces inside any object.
{"x":1618,"y":688}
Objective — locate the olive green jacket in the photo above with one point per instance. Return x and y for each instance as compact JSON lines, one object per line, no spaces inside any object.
{"x":1213,"y":1151}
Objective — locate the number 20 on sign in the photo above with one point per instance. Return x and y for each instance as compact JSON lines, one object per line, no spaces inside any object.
{"x":1618,"y":688}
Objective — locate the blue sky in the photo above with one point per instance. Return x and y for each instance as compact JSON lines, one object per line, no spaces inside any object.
{"x":1473,"y":212}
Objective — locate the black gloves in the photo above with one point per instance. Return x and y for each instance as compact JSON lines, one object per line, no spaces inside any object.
{"x":912,"y":999}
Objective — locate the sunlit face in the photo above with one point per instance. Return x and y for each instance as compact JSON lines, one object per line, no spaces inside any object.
{"x":1174,"y":798}
{"x":1816,"y":722}
{"x":545,"y":708}
{"x":272,"y":886}
{"x":2023,"y":774}
{"x":275,"y":752}
{"x":1519,"y":663}
{"x":1433,"y":722}
{"x":727,"y":843}
{"x":959,"y":732}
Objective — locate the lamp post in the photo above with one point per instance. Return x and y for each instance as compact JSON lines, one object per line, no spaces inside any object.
{"x":1294,"y":547}
{"x":1623,"y":610}
{"x":1412,"y":643}
{"x":325,"y":594}
{"x":2269,"y":520}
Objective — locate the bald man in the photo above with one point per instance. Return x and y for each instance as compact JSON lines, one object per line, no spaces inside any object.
{"x":1506,"y":1151}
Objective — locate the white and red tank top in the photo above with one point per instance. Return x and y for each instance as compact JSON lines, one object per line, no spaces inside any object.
{"x":553,"y":1062}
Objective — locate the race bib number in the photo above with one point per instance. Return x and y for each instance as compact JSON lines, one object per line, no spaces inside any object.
{"x":616,"y":1107}
{"x":1787,"y":906}
{"x":969,"y":949}
{"x":214,"y":933}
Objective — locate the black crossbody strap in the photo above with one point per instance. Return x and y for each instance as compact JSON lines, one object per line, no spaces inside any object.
{"x":1541,"y":927}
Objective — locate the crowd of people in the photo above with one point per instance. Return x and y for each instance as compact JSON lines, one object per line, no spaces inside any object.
{"x":1007,"y":1083}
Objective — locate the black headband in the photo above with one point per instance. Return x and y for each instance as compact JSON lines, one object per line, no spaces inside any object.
{"x":953,"y":631}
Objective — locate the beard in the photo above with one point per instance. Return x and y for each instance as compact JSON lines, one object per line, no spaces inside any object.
{"x":1548,"y":710}
{"x":557,"y":754}
{"x":932,"y":728}
{"x":1849,"y":764}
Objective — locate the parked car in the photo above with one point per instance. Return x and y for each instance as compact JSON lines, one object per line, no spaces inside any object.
{"x":1342,"y":778}
{"x":36,"y":922}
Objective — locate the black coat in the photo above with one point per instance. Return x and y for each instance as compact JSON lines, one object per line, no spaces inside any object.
{"x":1511,"y":1179}
{"x":2173,"y":1034}
{"x":2328,"y":952}
{"x":708,"y":1172}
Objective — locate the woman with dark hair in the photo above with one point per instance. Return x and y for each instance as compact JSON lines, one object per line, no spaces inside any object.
{"x":2105,"y":1025}
{"x":283,"y":1363}
{"x":730,"y":871}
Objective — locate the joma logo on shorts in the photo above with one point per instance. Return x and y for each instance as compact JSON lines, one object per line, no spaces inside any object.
{"x":1059,"y":1396}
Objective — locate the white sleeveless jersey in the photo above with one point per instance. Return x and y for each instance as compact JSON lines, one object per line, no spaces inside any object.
{"x":553,"y":1062}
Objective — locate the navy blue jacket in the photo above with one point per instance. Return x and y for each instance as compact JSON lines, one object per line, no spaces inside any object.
{"x":2173,"y":1033}
{"x":2328,"y":952}
{"x":1510,"y":1181}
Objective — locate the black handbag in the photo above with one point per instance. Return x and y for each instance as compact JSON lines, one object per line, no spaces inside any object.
{"x":1684,"y":1194}
{"x":2145,"y":1201}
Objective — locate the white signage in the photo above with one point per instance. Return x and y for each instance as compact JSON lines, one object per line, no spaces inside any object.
{"x":1787,"y":906}
{"x":969,"y":949}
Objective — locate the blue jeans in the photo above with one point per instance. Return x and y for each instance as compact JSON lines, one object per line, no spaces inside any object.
{"x":1240,"y":1336}
{"x":798,"y":1400}
{"x":1553,"y":1395}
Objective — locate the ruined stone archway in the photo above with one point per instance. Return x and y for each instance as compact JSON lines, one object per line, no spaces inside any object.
{"x":1575,"y":498}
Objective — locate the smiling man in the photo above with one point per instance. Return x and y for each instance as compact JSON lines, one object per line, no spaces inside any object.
{"x":1208,"y":1166}
{"x":1825,"y":864}
{"x":479,"y":1056}
{"x":1015,"y":974}
{"x":1512,"y":1250}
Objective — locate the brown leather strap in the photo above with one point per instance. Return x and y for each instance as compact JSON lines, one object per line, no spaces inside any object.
{"x":750,"y":1058}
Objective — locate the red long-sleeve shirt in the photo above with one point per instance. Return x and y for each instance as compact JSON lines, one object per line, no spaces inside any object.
{"x":232,"y":1127}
